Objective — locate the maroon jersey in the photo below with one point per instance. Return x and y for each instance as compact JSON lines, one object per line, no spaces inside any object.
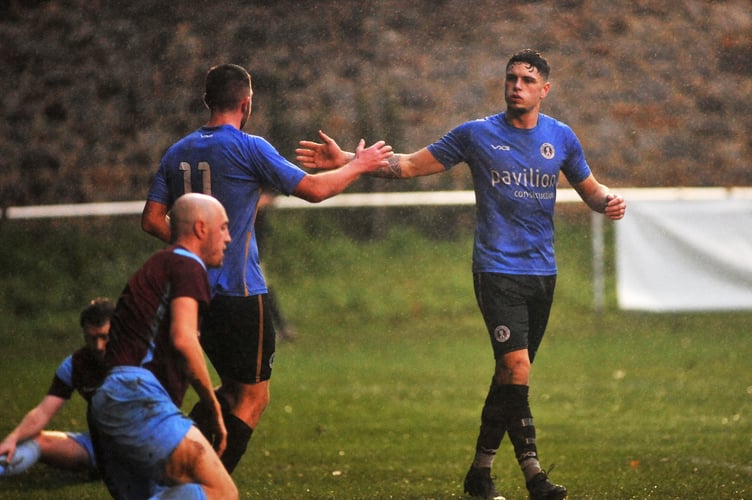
{"x":140,"y":325}
{"x":82,"y":371}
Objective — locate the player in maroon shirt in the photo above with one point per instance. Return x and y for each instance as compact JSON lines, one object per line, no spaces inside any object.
{"x":147,"y":447}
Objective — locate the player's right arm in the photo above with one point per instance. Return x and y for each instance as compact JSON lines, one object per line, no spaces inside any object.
{"x":600,"y":199}
{"x":327,"y":155}
{"x":405,"y":166}
{"x":154,"y":220}
{"x":32,"y":424}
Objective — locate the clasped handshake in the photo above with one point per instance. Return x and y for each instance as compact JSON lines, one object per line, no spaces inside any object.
{"x":328,"y":155}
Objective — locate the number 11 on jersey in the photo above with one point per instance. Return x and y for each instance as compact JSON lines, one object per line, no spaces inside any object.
{"x":205,"y":171}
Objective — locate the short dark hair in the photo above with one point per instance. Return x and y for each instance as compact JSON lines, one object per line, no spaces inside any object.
{"x":534,"y":59}
{"x":97,"y":312}
{"x":226,"y":86}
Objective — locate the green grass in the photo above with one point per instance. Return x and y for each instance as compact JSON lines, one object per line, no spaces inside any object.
{"x":381,"y":394}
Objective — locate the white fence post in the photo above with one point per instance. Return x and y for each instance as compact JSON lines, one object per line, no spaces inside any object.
{"x":599,"y":279}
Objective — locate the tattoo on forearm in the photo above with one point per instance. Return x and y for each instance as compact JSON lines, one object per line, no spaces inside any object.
{"x":392,"y":170}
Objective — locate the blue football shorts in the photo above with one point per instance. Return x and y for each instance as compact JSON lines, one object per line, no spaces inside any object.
{"x":138,"y":427}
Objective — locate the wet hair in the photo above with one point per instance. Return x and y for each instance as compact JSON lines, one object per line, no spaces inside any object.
{"x":226,"y":86}
{"x":532,"y":58}
{"x":97,"y":312}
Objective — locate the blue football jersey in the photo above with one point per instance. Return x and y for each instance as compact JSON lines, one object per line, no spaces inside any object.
{"x":232,"y":166}
{"x":515,"y":175}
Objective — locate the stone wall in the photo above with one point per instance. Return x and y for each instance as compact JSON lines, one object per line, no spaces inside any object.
{"x":94,"y":91}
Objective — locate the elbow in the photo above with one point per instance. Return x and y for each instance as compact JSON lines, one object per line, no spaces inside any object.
{"x":149,"y":227}
{"x":317,"y":188}
{"x":312,"y":196}
{"x":146,"y":226}
{"x":158,"y":229}
{"x":317,"y":198}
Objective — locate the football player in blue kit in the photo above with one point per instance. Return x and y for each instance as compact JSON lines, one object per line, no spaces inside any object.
{"x":515,"y":158}
{"x":221,"y":160}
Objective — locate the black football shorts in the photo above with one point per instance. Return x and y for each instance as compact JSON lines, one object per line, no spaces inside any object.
{"x":238,"y":337}
{"x":515,"y":309}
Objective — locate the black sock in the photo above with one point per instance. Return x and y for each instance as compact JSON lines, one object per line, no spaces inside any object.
{"x":238,"y":435}
{"x":202,"y":418}
{"x":238,"y":432}
{"x":521,"y":429}
{"x":493,"y":426}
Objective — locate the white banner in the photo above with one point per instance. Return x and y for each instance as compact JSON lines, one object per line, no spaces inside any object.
{"x":685,"y":255}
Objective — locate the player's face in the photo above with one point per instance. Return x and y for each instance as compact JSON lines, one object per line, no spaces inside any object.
{"x":218,"y":238}
{"x":96,"y":338}
{"x":524,"y":88}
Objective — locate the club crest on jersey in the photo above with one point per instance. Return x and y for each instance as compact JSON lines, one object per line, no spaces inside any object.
{"x":502,"y":333}
{"x":547,"y":150}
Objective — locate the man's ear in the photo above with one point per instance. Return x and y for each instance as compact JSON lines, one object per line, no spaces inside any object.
{"x":545,"y":90}
{"x":200,"y":229}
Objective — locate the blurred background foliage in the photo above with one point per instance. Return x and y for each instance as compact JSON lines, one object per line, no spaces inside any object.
{"x":94,"y":91}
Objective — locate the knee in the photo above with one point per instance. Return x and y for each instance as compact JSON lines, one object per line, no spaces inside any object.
{"x":50,"y":438}
{"x":260,"y":400}
{"x":513,"y":368}
{"x":231,"y":491}
{"x":46,"y":439}
{"x":239,"y":394}
{"x":256,"y":394}
{"x":250,"y":401}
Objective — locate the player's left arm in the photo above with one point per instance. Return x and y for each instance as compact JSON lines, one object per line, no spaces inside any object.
{"x":32,"y":424}
{"x":184,"y":335}
{"x":316,"y":188}
{"x":154,"y":220}
{"x":600,"y":198}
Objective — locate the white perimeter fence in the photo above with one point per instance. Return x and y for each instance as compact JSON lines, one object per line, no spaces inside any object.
{"x":633,"y":299}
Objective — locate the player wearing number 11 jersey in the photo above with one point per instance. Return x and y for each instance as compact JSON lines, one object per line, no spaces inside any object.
{"x":232,"y":166}
{"x":221,"y":160}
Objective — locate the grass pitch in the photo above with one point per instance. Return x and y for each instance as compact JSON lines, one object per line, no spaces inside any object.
{"x":380,"y":396}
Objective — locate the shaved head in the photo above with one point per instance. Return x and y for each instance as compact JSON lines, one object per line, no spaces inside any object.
{"x":190,"y":208}
{"x":199,"y":223}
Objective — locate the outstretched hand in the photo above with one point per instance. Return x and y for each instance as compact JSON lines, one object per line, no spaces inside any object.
{"x":373,"y":157}
{"x":324,"y":155}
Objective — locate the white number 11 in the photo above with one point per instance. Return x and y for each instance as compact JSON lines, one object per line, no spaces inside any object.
{"x":205,"y":170}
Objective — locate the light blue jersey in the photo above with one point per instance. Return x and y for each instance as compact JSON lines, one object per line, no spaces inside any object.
{"x":232,"y":166}
{"x":65,"y":373}
{"x":515,"y":174}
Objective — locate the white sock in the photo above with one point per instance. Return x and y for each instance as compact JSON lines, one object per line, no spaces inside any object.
{"x":530,"y":468}
{"x":484,"y":458}
{"x":27,"y":454}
